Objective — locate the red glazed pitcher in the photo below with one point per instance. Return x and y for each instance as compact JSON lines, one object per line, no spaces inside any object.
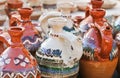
{"x":31,"y":37}
{"x":84,"y":25}
{"x":16,"y":61}
{"x":100,"y":51}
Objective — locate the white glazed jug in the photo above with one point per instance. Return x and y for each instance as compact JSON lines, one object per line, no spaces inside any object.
{"x":59,"y":55}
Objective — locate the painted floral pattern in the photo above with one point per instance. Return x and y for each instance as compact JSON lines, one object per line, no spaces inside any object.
{"x":21,"y":60}
{"x":4,"y":60}
{"x":51,"y":52}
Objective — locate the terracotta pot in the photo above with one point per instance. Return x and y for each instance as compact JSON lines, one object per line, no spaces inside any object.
{"x":59,"y":55}
{"x":94,"y":4}
{"x":84,"y":25}
{"x":12,"y":5}
{"x":94,"y":69}
{"x":16,"y":61}
{"x":97,"y":3}
{"x":31,"y":37}
{"x":100,"y":50}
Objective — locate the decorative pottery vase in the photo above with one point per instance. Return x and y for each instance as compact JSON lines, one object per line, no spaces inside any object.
{"x":84,"y":25}
{"x":37,"y":8}
{"x":49,"y":4}
{"x":100,"y":51}
{"x":59,"y":55}
{"x":31,"y":37}
{"x":12,"y":5}
{"x":16,"y":61}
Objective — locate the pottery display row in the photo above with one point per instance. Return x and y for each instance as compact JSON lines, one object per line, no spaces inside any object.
{"x":64,"y":48}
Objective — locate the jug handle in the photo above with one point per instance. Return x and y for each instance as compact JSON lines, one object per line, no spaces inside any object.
{"x":4,"y":40}
{"x":106,"y":40}
{"x":14,"y":19}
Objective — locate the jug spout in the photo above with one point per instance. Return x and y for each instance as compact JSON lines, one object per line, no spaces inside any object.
{"x":107,"y":41}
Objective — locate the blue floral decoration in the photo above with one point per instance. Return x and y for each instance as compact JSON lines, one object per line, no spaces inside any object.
{"x":51,"y":52}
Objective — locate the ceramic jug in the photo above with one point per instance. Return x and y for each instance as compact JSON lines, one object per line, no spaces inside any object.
{"x":16,"y":61}
{"x":59,"y":55}
{"x":12,"y":5}
{"x":31,"y":37}
{"x":84,"y":25}
{"x":100,"y":51}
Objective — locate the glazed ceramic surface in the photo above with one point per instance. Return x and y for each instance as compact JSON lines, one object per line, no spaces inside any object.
{"x":44,"y":18}
{"x":31,"y":37}
{"x":84,"y":25}
{"x":12,"y":5}
{"x":100,"y":50}
{"x":59,"y":55}
{"x":16,"y":61}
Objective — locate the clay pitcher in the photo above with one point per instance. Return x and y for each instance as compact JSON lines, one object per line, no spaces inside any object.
{"x":31,"y":37}
{"x":16,"y":61}
{"x":84,"y":25}
{"x":100,"y":51}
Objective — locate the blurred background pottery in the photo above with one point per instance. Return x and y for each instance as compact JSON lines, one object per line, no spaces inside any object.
{"x":12,"y":5}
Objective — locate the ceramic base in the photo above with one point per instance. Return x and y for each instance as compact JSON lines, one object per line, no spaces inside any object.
{"x":89,"y":69}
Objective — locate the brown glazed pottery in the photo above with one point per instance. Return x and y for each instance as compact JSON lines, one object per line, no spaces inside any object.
{"x":16,"y":61}
{"x":84,"y":25}
{"x":100,"y":51}
{"x":12,"y":5}
{"x":31,"y":37}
